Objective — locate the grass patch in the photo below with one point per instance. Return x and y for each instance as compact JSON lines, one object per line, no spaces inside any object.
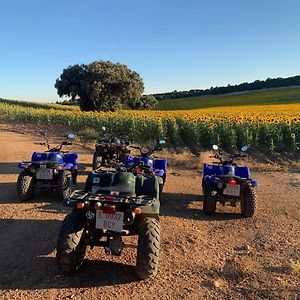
{"x":293,"y":267}
{"x":239,"y":270}
{"x":89,"y":133}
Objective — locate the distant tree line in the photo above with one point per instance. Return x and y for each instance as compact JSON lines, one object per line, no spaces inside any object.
{"x":243,"y":87}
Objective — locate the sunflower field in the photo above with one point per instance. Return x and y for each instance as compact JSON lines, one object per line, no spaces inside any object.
{"x":262,"y":127}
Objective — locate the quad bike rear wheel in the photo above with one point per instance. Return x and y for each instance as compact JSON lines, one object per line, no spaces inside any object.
{"x":64,"y":185}
{"x":209,"y":200}
{"x":25,"y":186}
{"x":248,"y":202}
{"x":74,"y":177}
{"x":161,"y":186}
{"x":71,"y":246}
{"x":148,"y":248}
{"x":97,"y":160}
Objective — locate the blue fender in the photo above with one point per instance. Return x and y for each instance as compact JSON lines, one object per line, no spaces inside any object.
{"x":242,"y":171}
{"x":209,"y":179}
{"x":211,"y":169}
{"x":160,"y":164}
{"x":68,"y":166}
{"x":23,"y":165}
{"x":70,"y":158}
{"x":159,"y":173}
{"x":254,"y":183}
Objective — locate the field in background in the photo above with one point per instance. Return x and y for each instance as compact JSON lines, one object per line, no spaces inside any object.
{"x":265,"y":120}
{"x":30,"y":104}
{"x":262,"y":97}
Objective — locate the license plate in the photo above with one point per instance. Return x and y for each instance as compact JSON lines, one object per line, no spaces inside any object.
{"x":232,"y":190}
{"x":112,"y":222}
{"x":44,"y":173}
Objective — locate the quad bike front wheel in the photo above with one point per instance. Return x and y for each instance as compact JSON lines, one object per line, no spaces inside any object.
{"x":64,"y":185}
{"x":248,"y":202}
{"x":25,"y":186}
{"x":209,"y":200}
{"x":71,"y":246}
{"x":148,"y":248}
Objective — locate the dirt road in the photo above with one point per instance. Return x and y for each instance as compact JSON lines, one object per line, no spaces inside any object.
{"x":218,"y":257}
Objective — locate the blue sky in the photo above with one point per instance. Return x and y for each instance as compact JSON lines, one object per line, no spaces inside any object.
{"x":173,"y":44}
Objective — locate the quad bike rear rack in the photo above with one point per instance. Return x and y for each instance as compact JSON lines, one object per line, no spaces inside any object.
{"x":82,"y":196}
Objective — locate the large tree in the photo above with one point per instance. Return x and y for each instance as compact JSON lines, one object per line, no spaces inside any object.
{"x":145,"y":102}
{"x":100,"y":86}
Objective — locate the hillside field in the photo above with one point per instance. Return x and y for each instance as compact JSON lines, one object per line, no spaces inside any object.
{"x":289,"y":95}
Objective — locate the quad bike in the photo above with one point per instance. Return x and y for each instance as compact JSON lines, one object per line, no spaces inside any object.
{"x":54,"y":168}
{"x":148,"y":165}
{"x":110,"y":149}
{"x":225,"y":181}
{"x":112,"y":205}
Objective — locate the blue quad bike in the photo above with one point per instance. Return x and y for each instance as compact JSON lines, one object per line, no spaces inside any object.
{"x":54,"y":169}
{"x":149,"y":165}
{"x":224,"y":181}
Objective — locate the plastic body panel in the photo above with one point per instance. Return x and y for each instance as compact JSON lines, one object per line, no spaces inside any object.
{"x":160,"y":164}
{"x":39,"y":156}
{"x":130,"y":159}
{"x":70,"y":158}
{"x":105,"y":182}
{"x":218,"y":170}
{"x":211,"y":172}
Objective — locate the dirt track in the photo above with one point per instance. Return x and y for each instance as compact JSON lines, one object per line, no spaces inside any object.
{"x":218,"y":257}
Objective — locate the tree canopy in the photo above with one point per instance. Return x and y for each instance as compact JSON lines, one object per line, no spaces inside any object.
{"x":100,"y":85}
{"x":145,"y":102}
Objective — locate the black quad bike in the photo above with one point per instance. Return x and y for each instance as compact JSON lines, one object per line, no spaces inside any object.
{"x":113,"y":205}
{"x":225,"y":181}
{"x":110,"y":149}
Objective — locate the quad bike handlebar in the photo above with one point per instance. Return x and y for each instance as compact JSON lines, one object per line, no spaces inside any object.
{"x":110,"y":138}
{"x":149,"y":153}
{"x":229,"y":159}
{"x":137,"y":168}
{"x":58,"y":147}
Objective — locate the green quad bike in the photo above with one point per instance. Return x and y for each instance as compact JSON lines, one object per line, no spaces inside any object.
{"x":112,"y":205}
